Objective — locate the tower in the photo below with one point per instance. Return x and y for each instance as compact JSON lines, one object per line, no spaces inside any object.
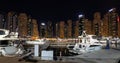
{"x":22,"y":24}
{"x":61,"y":29}
{"x":12,"y":21}
{"x":35,"y":28}
{"x":112,"y":22}
{"x":88,"y":26}
{"x":69,"y":29}
{"x":30,"y":26}
{"x":2,"y":22}
{"x":49,"y":31}
{"x":81,"y":24}
{"x":105,"y":27}
{"x":97,"y":23}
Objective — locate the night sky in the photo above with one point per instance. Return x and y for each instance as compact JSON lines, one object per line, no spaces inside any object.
{"x":57,"y":10}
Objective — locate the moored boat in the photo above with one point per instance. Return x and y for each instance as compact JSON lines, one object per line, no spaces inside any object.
{"x":7,"y":46}
{"x":85,"y":44}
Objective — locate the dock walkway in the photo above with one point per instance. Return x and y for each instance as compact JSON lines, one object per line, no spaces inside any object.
{"x":102,"y":56}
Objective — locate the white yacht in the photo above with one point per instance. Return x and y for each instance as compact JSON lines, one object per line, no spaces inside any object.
{"x":86,"y":44}
{"x":7,"y":46}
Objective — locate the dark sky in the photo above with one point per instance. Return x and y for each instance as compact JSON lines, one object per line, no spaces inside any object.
{"x":58,"y":9}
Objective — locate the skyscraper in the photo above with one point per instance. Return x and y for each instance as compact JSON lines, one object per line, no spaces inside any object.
{"x":88,"y":26}
{"x":97,"y":23}
{"x":81,"y":24}
{"x":2,"y":21}
{"x":22,"y":24}
{"x":30,"y":27}
{"x":12,"y":21}
{"x":76,"y":29}
{"x":35,"y":28}
{"x":105,"y":28}
{"x":49,"y":31}
{"x":118,"y":18}
{"x":61,"y":29}
{"x":112,"y":23}
{"x":68,"y":30}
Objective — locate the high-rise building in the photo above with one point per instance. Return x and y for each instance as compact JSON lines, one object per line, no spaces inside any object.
{"x":97,"y":23}
{"x":49,"y":32}
{"x":57,"y":29}
{"x":43,"y":29}
{"x":22,"y":24}
{"x":68,"y":30}
{"x":104,"y":26}
{"x":88,"y":26}
{"x":61,"y":29}
{"x":12,"y":21}
{"x":81,"y":24}
{"x":30,"y":26}
{"x":118,"y":19}
{"x":112,"y":23}
{"x":76,"y":29}
{"x":35,"y":28}
{"x":2,"y":22}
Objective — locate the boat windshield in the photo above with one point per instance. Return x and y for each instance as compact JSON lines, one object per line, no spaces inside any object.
{"x":4,"y":42}
{"x":2,"y":32}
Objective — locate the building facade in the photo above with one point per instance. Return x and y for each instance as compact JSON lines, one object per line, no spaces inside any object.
{"x":97,"y":23}
{"x":104,"y":27}
{"x":112,"y":23}
{"x":2,"y":21}
{"x":88,"y":26}
{"x":12,"y":21}
{"x":22,"y":25}
{"x":35,"y":32}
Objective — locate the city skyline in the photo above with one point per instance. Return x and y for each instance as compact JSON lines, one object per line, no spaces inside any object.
{"x":58,"y":10}
{"x":107,"y":25}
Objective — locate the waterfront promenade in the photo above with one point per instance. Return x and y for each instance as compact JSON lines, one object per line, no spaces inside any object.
{"x":102,"y":56}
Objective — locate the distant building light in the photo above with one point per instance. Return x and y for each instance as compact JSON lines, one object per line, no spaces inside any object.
{"x":110,"y":10}
{"x":43,"y":24}
{"x":80,"y":16}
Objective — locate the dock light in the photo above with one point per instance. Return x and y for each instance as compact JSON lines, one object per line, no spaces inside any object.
{"x":80,"y":16}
